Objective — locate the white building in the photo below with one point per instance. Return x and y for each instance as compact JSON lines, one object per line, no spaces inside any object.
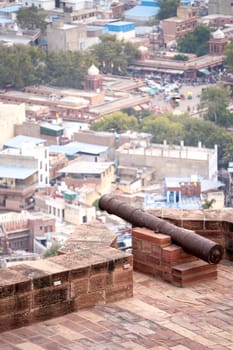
{"x":28,"y":150}
{"x":40,"y":152}
{"x":44,"y":4}
{"x":50,"y":4}
{"x":171,"y":160}
{"x":10,"y":114}
{"x":122,"y":30}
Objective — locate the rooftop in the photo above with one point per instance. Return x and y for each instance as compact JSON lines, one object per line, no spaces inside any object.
{"x":11,"y":9}
{"x":52,"y":126}
{"x":86,"y":168}
{"x":142,"y":11}
{"x":16,"y":172}
{"x":17,"y":141}
{"x":159,"y":316}
{"x":78,"y":147}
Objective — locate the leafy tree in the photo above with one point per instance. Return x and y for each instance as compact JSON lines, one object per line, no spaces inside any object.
{"x":228,"y":57}
{"x":168,"y":8}
{"x":163,"y":128}
{"x":52,"y":251}
{"x":216,"y":99}
{"x":67,"y":68}
{"x":195,"y":42}
{"x":208,"y":204}
{"x":114,"y":55}
{"x":21,"y":65}
{"x":180,"y":57}
{"x":118,"y":122}
{"x":32,"y":18}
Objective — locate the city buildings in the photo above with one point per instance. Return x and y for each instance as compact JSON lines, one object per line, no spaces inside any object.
{"x":175,"y":27}
{"x":66,"y":37}
{"x":175,"y":160}
{"x":10,"y":114}
{"x":223,"y":7}
{"x":18,"y":230}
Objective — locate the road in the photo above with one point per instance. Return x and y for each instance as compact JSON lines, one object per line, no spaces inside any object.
{"x":160,"y":105}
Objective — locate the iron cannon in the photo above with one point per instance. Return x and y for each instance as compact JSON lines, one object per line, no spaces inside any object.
{"x":189,"y":240}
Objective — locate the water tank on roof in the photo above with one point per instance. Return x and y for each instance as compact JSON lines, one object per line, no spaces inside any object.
{"x":69,"y":195}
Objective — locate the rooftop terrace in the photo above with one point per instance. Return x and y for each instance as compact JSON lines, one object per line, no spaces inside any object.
{"x":159,"y":316}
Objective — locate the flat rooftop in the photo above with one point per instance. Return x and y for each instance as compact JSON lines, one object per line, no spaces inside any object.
{"x":18,"y":141}
{"x":86,"y":168}
{"x":16,"y":172}
{"x":159,"y":316}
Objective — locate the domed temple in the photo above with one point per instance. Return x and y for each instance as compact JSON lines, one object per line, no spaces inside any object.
{"x":93,"y":80}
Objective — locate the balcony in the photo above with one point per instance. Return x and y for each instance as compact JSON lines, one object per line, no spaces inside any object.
{"x":19,"y":190}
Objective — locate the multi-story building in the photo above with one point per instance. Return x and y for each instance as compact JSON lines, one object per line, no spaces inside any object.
{"x":66,"y":37}
{"x":10,"y":114}
{"x":18,"y":230}
{"x":44,"y":4}
{"x":17,"y":187}
{"x":97,"y":175}
{"x":176,"y":27}
{"x":31,"y":151}
{"x":223,"y":7}
{"x":171,"y":160}
{"x":122,"y":30}
{"x":65,"y":207}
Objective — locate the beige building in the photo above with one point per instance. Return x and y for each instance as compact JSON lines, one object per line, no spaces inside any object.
{"x":176,"y":27}
{"x":10,"y":114}
{"x":223,"y":7}
{"x":66,"y":37}
{"x":29,"y":155}
{"x":18,"y":230}
{"x":98,"y":175}
{"x":171,"y":160}
{"x":79,"y":213}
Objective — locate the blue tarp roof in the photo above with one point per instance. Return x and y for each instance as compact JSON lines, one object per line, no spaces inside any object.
{"x":119,"y":23}
{"x":14,"y":172}
{"x":78,"y":147}
{"x":142,"y":11}
{"x":10,"y":9}
{"x":17,"y":141}
{"x":4,"y":20}
{"x":68,"y":151}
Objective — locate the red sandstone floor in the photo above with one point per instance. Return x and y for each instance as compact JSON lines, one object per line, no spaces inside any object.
{"x":159,"y":316}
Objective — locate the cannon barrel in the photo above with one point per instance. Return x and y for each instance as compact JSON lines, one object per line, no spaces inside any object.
{"x":190,"y":241}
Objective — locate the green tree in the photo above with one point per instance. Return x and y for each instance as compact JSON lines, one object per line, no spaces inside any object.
{"x":21,"y":65}
{"x":195,"y":42}
{"x":208,"y":204}
{"x":32,"y":18}
{"x":228,"y":57}
{"x":163,"y":128}
{"x":118,"y":122}
{"x":67,"y":68}
{"x":168,"y":8}
{"x":114,"y":55}
{"x":180,"y":57}
{"x":216,"y":99}
{"x":52,"y":251}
